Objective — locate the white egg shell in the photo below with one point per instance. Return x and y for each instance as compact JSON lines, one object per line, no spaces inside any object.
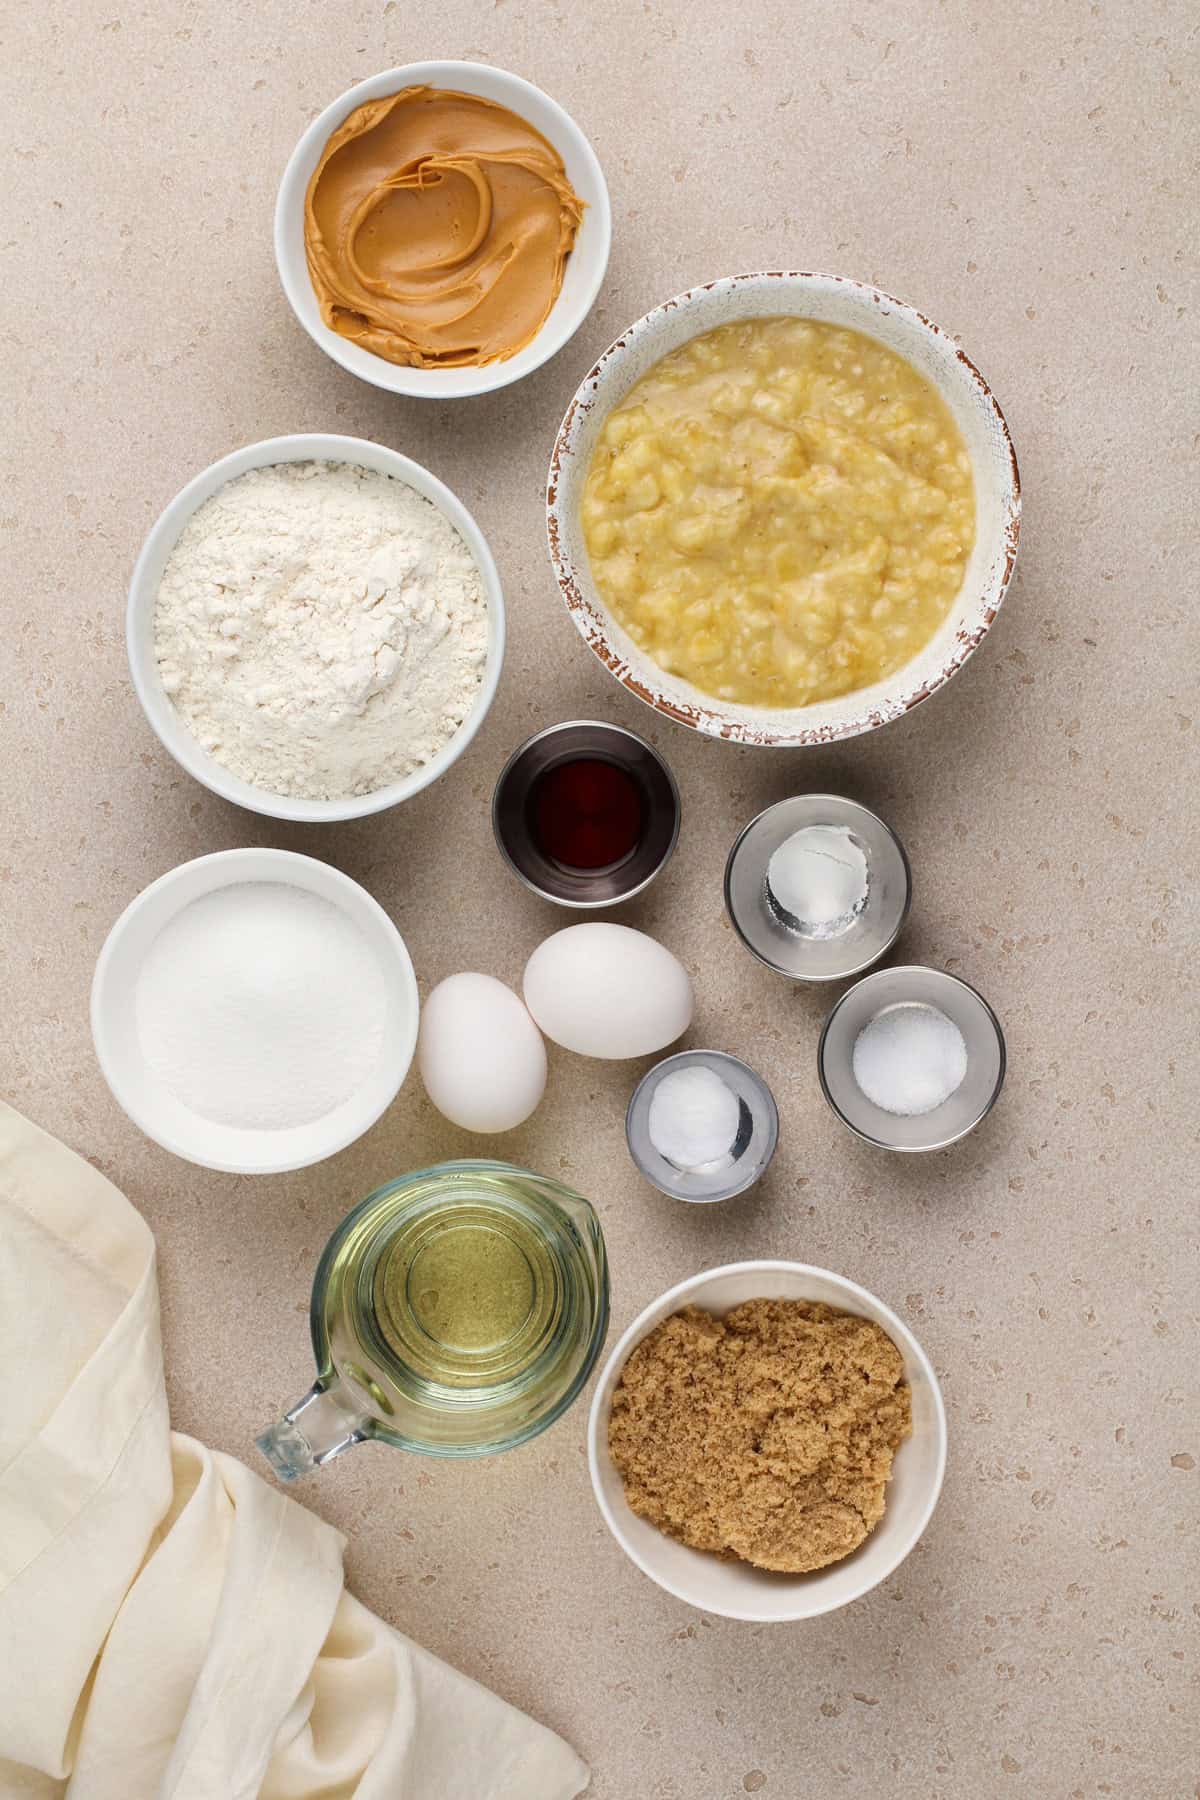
{"x":605,"y":990}
{"x":481,"y":1056}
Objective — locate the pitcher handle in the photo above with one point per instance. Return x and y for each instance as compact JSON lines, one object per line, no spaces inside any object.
{"x":314,"y":1431}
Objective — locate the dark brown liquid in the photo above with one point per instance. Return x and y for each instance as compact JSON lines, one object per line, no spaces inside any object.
{"x":586,"y":814}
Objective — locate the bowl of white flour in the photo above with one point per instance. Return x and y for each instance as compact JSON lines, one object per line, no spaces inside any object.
{"x":315,"y":628}
{"x":254,"y":1011}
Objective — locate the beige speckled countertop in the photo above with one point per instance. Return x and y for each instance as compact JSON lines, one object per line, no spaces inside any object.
{"x":1026,"y":175}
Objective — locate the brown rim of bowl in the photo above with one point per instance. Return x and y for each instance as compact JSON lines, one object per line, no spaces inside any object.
{"x":594,"y":628}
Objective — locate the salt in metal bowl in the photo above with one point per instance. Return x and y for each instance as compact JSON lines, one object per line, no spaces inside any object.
{"x":752,"y":1149}
{"x":962,"y":1110}
{"x":779,"y":946}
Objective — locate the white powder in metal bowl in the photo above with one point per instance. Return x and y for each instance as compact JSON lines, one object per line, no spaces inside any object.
{"x":693,"y":1118}
{"x":321,"y":629}
{"x":818,"y":881}
{"x":260,"y":1006}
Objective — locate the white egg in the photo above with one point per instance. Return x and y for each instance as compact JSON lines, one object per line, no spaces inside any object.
{"x":604,"y":990}
{"x":481,"y":1056}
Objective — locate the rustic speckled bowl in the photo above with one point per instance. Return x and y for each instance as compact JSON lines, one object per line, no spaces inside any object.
{"x":839,"y":301}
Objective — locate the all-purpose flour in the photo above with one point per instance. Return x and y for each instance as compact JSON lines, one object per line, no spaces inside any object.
{"x":321,"y":629}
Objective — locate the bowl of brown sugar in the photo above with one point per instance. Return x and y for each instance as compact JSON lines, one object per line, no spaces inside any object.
{"x":767,"y":1441}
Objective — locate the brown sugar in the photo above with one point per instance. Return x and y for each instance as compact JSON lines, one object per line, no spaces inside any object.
{"x":767,"y":1434}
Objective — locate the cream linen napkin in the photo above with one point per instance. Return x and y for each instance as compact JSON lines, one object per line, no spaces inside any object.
{"x":171,"y":1625}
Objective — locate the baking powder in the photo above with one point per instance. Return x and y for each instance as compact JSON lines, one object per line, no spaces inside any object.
{"x":693,"y":1118}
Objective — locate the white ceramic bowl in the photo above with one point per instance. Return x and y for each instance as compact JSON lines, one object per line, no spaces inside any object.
{"x":156,"y":1110}
{"x":839,"y":301}
{"x":735,"y":1589}
{"x":170,"y":729}
{"x":585,"y":265}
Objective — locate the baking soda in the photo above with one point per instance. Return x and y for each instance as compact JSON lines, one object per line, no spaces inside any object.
{"x":817,"y":881}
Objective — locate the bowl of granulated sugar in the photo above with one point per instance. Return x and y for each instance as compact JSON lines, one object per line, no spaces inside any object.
{"x":254,"y":1011}
{"x":315,"y":628}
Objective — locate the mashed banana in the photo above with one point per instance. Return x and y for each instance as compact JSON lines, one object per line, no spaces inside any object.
{"x":780,"y":511}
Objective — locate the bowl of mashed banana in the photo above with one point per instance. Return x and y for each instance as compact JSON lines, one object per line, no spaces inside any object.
{"x":784,"y":508}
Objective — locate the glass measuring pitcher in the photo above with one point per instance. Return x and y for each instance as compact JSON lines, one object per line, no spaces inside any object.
{"x":456,"y":1311}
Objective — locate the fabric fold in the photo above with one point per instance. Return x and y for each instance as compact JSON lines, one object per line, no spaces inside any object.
{"x":170,"y":1624}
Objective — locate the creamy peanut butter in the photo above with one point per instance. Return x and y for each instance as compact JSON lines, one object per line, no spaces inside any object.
{"x":437,"y":226}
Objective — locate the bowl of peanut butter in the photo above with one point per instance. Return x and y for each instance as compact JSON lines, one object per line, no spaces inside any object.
{"x":442,"y":229}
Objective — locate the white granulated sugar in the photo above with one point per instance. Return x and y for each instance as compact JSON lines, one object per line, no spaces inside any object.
{"x":321,"y":629}
{"x":260,"y":1006}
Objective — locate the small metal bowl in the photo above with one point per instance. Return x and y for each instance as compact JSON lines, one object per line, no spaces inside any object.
{"x":759,"y":925}
{"x":585,"y":889}
{"x":956,"y":1116}
{"x":753,"y":1148}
